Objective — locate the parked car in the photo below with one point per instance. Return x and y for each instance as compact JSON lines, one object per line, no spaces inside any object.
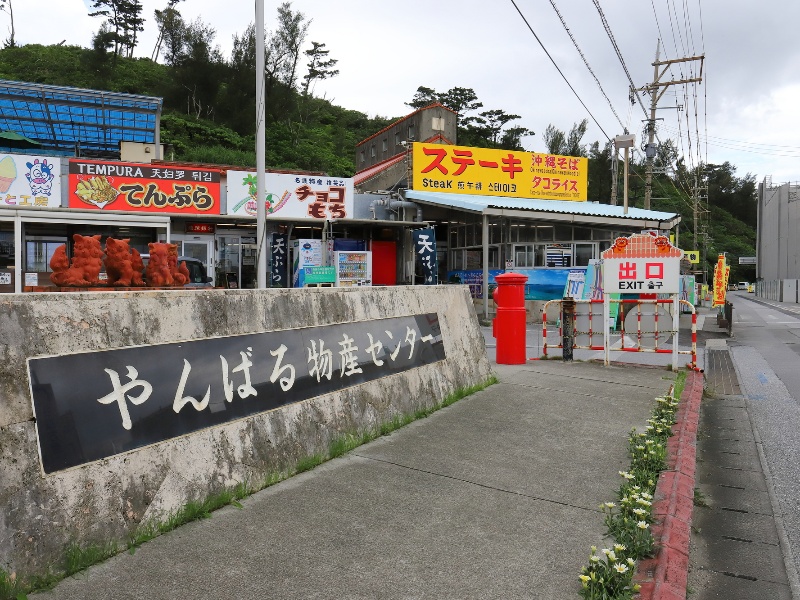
{"x":743,"y":285}
{"x":198,"y":277}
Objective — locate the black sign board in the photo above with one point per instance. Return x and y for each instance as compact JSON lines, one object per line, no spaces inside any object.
{"x":97,"y":404}
{"x":425,"y":251}
{"x":278,"y":248}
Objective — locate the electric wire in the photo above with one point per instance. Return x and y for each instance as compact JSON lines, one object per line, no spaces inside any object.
{"x":610,"y":34}
{"x":564,"y":77}
{"x":586,"y":62}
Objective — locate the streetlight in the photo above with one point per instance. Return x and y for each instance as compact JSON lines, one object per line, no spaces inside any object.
{"x":625,"y":141}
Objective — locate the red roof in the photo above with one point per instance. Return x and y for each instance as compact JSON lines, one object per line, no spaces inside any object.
{"x":362,"y":176}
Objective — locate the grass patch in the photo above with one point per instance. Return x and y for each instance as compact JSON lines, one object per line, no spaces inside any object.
{"x":308,"y":462}
{"x":77,"y":558}
{"x":680,"y":384}
{"x":699,"y":499}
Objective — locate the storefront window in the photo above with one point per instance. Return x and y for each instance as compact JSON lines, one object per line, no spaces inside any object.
{"x":38,"y":254}
{"x":523,"y":257}
{"x":7,"y":249}
{"x":583,"y":254}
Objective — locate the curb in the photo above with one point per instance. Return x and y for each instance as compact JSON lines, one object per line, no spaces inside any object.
{"x":665,"y":576}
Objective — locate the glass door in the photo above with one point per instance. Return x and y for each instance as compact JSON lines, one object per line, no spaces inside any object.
{"x":201,"y":251}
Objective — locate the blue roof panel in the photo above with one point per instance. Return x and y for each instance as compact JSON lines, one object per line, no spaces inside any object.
{"x":61,"y":118}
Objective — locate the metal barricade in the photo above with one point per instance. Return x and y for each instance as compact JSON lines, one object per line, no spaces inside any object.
{"x":622,"y":334}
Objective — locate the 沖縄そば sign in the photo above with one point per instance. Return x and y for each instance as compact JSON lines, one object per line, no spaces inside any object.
{"x":143,"y":188}
{"x":290,"y":195}
{"x":490,"y":172}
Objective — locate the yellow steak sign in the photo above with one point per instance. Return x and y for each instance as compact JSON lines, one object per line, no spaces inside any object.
{"x":490,"y":172}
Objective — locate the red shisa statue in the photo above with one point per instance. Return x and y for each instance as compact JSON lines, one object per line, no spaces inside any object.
{"x":163,"y":268}
{"x":87,"y":262}
{"x":121,"y":264}
{"x":124,"y":265}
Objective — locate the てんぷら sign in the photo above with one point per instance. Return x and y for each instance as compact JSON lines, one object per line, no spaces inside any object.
{"x":143,"y":188}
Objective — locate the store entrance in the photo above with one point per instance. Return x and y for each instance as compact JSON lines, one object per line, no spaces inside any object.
{"x":201,"y":250}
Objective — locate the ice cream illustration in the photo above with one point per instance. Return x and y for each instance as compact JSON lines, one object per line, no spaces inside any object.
{"x":8,"y":173}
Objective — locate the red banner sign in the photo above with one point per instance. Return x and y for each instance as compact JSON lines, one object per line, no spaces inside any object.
{"x":143,"y":188}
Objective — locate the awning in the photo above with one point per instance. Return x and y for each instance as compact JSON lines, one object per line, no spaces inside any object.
{"x":581,"y":213}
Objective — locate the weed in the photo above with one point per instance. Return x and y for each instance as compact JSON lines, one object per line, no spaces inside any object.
{"x":77,"y":559}
{"x":700,"y":499}
{"x":308,"y":462}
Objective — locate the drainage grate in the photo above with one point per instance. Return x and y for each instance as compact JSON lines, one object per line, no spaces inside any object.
{"x":720,"y":374}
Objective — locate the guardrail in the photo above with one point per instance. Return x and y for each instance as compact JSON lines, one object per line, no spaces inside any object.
{"x":621,"y":333}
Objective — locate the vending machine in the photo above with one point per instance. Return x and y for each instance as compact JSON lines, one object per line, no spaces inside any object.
{"x":353,"y":268}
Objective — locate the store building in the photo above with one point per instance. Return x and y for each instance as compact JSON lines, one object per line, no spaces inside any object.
{"x":92,"y":163}
{"x":498,"y":210}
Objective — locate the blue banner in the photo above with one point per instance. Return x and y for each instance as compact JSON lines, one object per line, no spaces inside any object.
{"x":425,"y":251}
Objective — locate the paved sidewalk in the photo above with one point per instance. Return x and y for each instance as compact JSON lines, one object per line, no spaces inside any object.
{"x":495,"y":496}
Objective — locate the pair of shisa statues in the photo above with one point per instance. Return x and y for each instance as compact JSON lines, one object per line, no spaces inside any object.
{"x":123,"y":265}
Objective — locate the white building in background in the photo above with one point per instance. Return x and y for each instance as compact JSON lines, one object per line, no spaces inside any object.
{"x":778,"y":244}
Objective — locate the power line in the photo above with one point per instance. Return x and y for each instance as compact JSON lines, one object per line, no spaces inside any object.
{"x":559,"y":70}
{"x":586,"y":62}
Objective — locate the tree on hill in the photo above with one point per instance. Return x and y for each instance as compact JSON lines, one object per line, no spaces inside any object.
{"x":557,"y":142}
{"x":124,"y":23}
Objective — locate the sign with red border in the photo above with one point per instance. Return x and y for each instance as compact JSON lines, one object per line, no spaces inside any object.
{"x":143,"y":188}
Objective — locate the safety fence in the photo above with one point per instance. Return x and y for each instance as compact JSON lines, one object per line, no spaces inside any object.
{"x":589,"y":327}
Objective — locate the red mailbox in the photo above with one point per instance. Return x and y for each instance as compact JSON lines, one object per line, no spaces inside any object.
{"x":508,"y":327}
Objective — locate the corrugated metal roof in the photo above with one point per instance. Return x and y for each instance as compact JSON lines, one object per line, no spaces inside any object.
{"x":479,"y":204}
{"x":61,"y":118}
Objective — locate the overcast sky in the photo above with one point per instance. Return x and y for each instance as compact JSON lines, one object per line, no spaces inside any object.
{"x":743,"y":111}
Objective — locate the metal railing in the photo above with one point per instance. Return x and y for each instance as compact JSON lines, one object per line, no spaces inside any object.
{"x":622,"y":333}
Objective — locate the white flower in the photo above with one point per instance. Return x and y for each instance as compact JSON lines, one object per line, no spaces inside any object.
{"x":630,"y":561}
{"x":594,"y":558}
{"x":619,"y":547}
{"x":620,"y":568}
{"x":639,"y":512}
{"x":642,"y":525}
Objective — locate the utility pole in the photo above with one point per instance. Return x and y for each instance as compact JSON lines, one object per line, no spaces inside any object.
{"x":655,"y":96}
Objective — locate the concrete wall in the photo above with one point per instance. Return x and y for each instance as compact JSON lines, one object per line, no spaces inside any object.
{"x":107,"y":500}
{"x":778,"y":253}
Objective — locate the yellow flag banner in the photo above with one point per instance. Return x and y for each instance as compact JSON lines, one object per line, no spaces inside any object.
{"x":721,"y":273}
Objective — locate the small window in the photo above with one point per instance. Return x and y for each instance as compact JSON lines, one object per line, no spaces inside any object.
{"x":372,"y":151}
{"x":385,"y":144}
{"x":362,"y":158}
{"x":397,"y":138}
{"x":411,"y":132}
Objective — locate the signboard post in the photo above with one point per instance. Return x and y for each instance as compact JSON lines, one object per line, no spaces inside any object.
{"x":642,"y":264}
